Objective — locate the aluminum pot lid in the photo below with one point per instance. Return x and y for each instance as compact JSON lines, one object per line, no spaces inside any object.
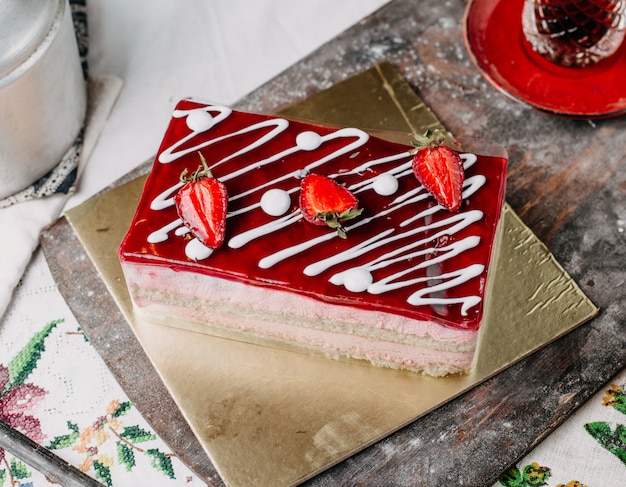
{"x":24,"y":26}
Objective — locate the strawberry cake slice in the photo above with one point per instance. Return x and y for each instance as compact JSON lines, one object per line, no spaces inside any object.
{"x":327,"y":240}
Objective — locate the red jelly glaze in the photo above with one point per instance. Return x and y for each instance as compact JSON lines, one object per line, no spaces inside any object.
{"x":242,"y":264}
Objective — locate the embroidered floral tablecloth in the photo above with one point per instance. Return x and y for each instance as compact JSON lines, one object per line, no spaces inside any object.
{"x":56,"y":389}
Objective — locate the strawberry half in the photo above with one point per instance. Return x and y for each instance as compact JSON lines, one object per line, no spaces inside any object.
{"x":439,"y":169}
{"x":324,"y":202}
{"x":201,"y":204}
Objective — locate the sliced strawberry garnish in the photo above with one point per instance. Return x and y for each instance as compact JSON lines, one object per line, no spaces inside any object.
{"x":324,"y":202}
{"x":439,"y":169}
{"x":201,"y":204}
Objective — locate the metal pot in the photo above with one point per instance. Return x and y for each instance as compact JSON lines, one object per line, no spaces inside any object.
{"x":42,"y":90}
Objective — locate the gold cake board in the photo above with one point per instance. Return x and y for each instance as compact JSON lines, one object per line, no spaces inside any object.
{"x":267,"y":416}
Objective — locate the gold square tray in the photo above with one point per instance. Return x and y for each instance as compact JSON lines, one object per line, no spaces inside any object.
{"x":273,"y":417}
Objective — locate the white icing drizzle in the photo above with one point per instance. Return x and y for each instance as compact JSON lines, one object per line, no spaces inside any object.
{"x":385,"y":184}
{"x":355,"y":279}
{"x":358,"y":279}
{"x":254,"y":206}
{"x":166,"y":198}
{"x":468,"y":160}
{"x":308,"y":140}
{"x":361,"y":138}
{"x":414,"y":196}
{"x":458,"y":277}
{"x":398,"y":172}
{"x":242,"y":239}
{"x":199,"y":120}
{"x":170,"y":154}
{"x":470,"y":186}
{"x":275,"y":202}
{"x":273,"y":259}
{"x":196,"y":250}
{"x":383,"y":160}
{"x":451,"y":225}
{"x":161,"y":234}
{"x":444,"y":253}
{"x":281,"y":255}
{"x":391,"y":282}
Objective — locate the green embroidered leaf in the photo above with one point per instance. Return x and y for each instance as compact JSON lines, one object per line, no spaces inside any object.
{"x":125,"y":455}
{"x":103,"y":473}
{"x":161,"y":462}
{"x":72,"y":427}
{"x":3,"y":477}
{"x":26,"y":359}
{"x":613,"y":441}
{"x":535,"y":475}
{"x":619,"y":399}
{"x":123,"y":408}
{"x":19,"y":469}
{"x":532,"y":475}
{"x":512,"y":478}
{"x":63,"y":441}
{"x":136,"y":435}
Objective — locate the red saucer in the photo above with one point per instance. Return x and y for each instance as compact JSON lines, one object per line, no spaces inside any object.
{"x":497,"y":46}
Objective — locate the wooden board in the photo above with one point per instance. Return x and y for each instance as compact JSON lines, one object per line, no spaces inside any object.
{"x":568,"y":183}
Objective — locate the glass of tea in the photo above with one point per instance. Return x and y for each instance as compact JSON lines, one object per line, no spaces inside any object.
{"x":574,"y":33}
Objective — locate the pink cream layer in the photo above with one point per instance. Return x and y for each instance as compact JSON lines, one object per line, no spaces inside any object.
{"x":258,"y":315}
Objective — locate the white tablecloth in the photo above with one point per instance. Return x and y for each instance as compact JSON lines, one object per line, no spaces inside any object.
{"x":54,"y":386}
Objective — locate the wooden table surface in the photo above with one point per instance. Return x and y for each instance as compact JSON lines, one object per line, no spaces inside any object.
{"x":567,"y":181}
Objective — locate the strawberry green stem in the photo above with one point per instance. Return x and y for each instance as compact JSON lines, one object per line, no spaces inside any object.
{"x":430,"y":139}
{"x":203,"y":171}
{"x":334,"y":220}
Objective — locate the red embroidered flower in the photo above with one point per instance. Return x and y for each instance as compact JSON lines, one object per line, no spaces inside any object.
{"x":15,"y":402}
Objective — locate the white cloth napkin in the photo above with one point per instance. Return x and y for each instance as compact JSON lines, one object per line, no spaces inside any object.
{"x":24,"y":221}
